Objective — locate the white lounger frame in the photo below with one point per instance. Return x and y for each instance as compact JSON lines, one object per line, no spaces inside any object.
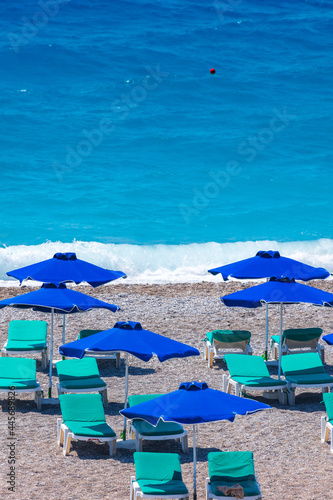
{"x":218,"y":350}
{"x":228,"y":383}
{"x":326,"y":431}
{"x":65,"y":436}
{"x":37,"y":390}
{"x":43,"y":352}
{"x":296,"y":347}
{"x":292,"y":386}
{"x":137,"y":493}
{"x":210,"y":495}
{"x":102,"y":390}
{"x":103,"y":355}
{"x":181,"y":437}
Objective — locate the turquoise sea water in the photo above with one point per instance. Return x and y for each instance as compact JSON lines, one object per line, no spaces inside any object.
{"x":114,"y":132}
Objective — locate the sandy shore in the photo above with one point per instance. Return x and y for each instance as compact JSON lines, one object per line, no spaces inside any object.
{"x":290,"y":460}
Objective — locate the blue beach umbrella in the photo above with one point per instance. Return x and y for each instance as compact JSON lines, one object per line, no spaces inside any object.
{"x":278,"y":291}
{"x":66,"y":268}
{"x":266,"y":264}
{"x":131,"y":338}
{"x":56,"y":299}
{"x":194,"y":403}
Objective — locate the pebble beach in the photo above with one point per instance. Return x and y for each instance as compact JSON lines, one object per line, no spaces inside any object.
{"x":290,"y":460}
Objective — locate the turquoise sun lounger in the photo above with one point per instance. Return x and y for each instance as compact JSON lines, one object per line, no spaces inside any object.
{"x":163,"y":431}
{"x":26,"y":337}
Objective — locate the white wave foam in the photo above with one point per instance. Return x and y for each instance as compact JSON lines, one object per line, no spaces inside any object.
{"x":165,"y":263}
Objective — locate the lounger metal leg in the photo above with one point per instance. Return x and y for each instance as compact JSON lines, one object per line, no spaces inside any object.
{"x":104,"y":395}
{"x":117,"y":360}
{"x":67,"y":442}
{"x":210,"y":358}
{"x":138,"y":442}
{"x":291,"y":396}
{"x":331,"y":439}
{"x":43,"y":360}
{"x":283,"y":398}
{"x":225,"y":383}
{"x":323,"y":433}
{"x":112,"y":447}
{"x":185,"y":443}
{"x":38,"y":399}
{"x":237,"y":389}
{"x":132,"y":488}
{"x":60,"y":432}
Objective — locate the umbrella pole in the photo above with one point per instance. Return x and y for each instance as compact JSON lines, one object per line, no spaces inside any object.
{"x":280,"y":343}
{"x":63,"y":330}
{"x":194,"y":464}
{"x":51,"y":354}
{"x":266,"y":348}
{"x":126,"y":393}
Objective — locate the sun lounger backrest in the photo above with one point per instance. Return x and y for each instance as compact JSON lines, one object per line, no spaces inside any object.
{"x":27,"y":330}
{"x":246,"y":366}
{"x":82,"y":407}
{"x":157,"y":466}
{"x":70,"y":369}
{"x":231,"y":465}
{"x":328,"y":400}
{"x":18,"y":368}
{"x":302,"y":337}
{"x":87,"y":333}
{"x":302,"y":364}
{"x":228,"y":336}
{"x":141,"y":398}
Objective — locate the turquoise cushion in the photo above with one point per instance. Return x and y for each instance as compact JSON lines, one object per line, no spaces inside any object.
{"x":231,"y":466}
{"x":82,"y":408}
{"x":315,"y":378}
{"x":157,"y":467}
{"x":20,"y":369}
{"x":86,"y":383}
{"x":7,"y":383}
{"x":276,"y":338}
{"x":251,"y":488}
{"x":25,"y":345}
{"x":302,"y":364}
{"x":93,"y":429}
{"x":228,"y":336}
{"x":328,"y":400}
{"x":155,"y":487}
{"x":27,"y":330}
{"x":246,"y":366}
{"x":259,"y":381}
{"x":162,"y":428}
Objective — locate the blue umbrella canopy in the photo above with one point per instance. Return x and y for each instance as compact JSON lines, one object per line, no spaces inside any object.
{"x":194,"y":403}
{"x":130,"y":337}
{"x":66,"y":268}
{"x":278,"y":291}
{"x":52,"y":298}
{"x":266,"y":264}
{"x":57,"y":298}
